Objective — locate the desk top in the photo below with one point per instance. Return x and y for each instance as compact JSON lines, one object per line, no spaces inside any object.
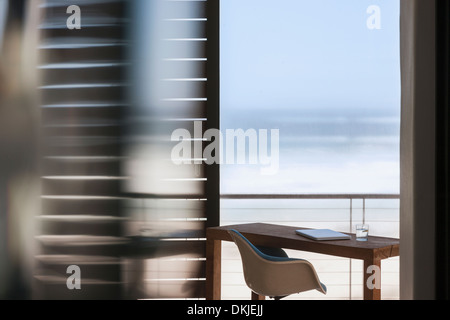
{"x":271,"y":235}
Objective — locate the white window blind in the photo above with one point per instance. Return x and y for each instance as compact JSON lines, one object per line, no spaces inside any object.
{"x":113,"y":201}
{"x":82,"y":100}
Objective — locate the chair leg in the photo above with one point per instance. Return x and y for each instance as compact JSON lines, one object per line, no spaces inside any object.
{"x":256,"y":296}
{"x":278,"y":297}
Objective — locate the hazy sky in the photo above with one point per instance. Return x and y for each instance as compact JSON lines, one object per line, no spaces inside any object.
{"x":299,"y":53}
{"x":3,"y":13}
{"x":319,"y":56}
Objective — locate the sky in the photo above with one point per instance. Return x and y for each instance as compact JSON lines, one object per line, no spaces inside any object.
{"x":310,"y":54}
{"x":3,"y":13}
{"x":330,"y":84}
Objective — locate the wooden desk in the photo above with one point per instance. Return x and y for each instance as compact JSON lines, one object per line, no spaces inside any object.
{"x":371,"y":252}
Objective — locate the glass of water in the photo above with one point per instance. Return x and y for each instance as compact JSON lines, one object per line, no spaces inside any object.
{"x":362,"y":232}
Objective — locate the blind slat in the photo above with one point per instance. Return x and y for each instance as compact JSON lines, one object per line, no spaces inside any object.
{"x":92,"y":212}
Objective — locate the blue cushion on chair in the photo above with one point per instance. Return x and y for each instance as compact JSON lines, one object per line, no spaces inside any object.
{"x":279,"y":254}
{"x":274,"y":252}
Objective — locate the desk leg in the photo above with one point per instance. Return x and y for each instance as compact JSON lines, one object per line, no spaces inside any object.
{"x":213,"y":269}
{"x":372,"y":292}
{"x":256,"y":296}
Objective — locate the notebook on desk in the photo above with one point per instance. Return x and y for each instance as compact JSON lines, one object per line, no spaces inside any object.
{"x":323,"y":234}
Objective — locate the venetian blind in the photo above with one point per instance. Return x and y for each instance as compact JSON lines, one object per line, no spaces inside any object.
{"x":113,"y":201}
{"x":83,"y":95}
{"x":173,"y":87}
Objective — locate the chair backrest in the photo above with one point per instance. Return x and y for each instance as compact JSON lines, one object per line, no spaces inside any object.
{"x":274,"y":276}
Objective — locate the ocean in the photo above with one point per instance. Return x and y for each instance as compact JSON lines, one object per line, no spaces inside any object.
{"x":339,"y":151}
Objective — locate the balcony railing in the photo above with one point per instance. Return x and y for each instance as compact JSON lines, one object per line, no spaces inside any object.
{"x":335,"y":211}
{"x":350,"y":197}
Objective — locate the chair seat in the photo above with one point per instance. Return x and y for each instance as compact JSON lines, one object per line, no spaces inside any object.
{"x":270,"y":272}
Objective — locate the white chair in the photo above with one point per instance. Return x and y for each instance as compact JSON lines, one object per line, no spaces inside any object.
{"x":275,"y":276}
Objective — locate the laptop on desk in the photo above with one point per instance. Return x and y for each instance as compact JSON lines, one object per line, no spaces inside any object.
{"x":322,"y":234}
